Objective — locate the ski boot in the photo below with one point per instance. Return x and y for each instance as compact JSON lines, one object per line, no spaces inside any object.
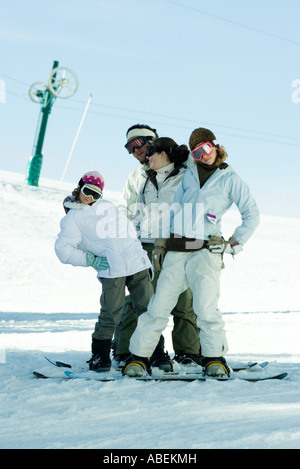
{"x":162,"y":361}
{"x":136,"y":366}
{"x":188,"y":359}
{"x":216,"y":367}
{"x":122,"y":358}
{"x":160,"y":358}
{"x":100,"y":360}
{"x":99,"y":363}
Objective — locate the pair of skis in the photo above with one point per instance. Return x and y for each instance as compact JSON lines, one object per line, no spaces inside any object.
{"x":65,"y":371}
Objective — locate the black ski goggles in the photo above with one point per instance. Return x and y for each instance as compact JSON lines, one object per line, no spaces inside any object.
{"x":136,"y":143}
{"x":151,"y":150}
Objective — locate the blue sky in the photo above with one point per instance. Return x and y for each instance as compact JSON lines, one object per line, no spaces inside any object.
{"x":175,"y":65}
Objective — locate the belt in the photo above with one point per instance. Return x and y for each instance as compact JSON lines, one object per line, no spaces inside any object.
{"x":183,"y":244}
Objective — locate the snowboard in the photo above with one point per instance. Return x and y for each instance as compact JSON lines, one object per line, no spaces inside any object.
{"x":235,"y":367}
{"x":62,"y":370}
{"x":92,"y":375}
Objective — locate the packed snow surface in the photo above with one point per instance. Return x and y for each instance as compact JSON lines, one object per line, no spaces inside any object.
{"x":49,"y":309}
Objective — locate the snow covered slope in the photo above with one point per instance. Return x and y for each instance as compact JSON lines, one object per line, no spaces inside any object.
{"x":47,"y":308}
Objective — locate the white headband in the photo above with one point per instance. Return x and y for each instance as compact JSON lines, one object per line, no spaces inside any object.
{"x":140,"y":133}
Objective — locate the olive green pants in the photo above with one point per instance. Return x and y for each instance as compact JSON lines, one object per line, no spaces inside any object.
{"x":112,"y":301}
{"x":185,"y":333}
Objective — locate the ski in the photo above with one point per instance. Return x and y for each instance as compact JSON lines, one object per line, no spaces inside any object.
{"x":58,"y":363}
{"x":62,"y":372}
{"x":235,"y":368}
{"x":248,"y":366}
{"x":37,"y":374}
{"x":199,"y":370}
{"x":58,"y":368}
{"x":169,"y":377}
{"x":50,"y":372}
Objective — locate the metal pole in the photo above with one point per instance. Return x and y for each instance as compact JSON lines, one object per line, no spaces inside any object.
{"x":35,"y":161}
{"x":76,"y":137}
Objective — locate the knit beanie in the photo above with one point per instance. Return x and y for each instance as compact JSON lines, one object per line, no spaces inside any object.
{"x":200,"y":135}
{"x":93,"y":180}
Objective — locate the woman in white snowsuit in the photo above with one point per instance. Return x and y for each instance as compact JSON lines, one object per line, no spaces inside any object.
{"x":167,"y":161}
{"x":195,"y":251}
{"x":185,"y":336}
{"x":95,"y":233}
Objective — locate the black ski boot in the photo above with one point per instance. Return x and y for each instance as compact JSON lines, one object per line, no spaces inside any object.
{"x":161,"y":359}
{"x":122,"y":358}
{"x":100,"y":360}
{"x":188,"y":359}
{"x":215,"y":366}
{"x":136,"y":366}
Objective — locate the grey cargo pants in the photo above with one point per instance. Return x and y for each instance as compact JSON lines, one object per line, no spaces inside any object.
{"x":112,"y":301}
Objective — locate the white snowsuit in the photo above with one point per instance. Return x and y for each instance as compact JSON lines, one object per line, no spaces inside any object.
{"x":200,"y":270}
{"x":153,"y":204}
{"x":133,"y":187}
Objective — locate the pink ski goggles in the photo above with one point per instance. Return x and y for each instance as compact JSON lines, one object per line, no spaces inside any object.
{"x":204,"y":149}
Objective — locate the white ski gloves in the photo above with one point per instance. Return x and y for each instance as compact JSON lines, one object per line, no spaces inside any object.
{"x":98,"y":263}
{"x":218,"y":245}
{"x":158,"y":253}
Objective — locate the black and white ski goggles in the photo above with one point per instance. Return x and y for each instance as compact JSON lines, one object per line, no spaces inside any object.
{"x":151,"y":150}
{"x":88,"y":192}
{"x":136,"y":142}
{"x":204,"y":149}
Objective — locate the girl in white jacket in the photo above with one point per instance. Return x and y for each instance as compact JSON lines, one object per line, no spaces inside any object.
{"x":95,"y":233}
{"x":195,"y":249}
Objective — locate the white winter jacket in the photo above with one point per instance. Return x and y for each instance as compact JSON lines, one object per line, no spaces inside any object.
{"x":153,"y":205}
{"x":134,"y":183}
{"x":196,"y":212}
{"x":103,"y":230}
